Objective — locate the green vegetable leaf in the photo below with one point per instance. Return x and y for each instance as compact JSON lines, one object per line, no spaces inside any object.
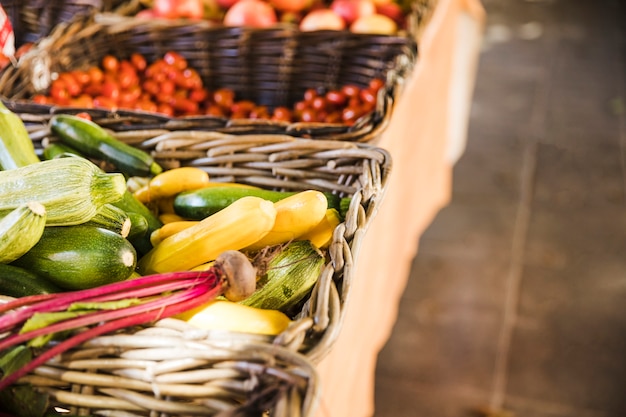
{"x":24,"y":401}
{"x":107,"y":305}
{"x":41,"y":320}
{"x":14,"y":358}
{"x":20,"y":400}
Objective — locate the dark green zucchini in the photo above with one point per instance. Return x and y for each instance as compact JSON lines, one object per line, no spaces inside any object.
{"x":201,"y":203}
{"x":80,"y":257}
{"x":18,"y":282}
{"x":93,"y":141}
{"x":113,"y":218}
{"x":59,"y":150}
{"x":130,"y":205}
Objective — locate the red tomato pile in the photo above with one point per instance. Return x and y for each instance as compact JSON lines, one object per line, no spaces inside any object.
{"x":169,"y":86}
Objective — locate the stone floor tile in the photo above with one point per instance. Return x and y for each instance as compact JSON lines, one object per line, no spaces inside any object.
{"x":583,"y":178}
{"x":474,"y":226}
{"x":401,"y":399}
{"x":444,"y":345}
{"x":568,"y":347}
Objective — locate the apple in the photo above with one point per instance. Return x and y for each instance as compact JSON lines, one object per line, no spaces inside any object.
{"x":226,"y":4}
{"x":322,"y":19}
{"x":290,"y":5}
{"x":374,"y":24}
{"x":393,"y":11}
{"x":253,"y":13}
{"x":174,"y":9}
{"x":351,"y":10}
{"x":146,"y":14}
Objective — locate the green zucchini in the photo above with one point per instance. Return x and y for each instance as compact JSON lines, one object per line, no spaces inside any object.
{"x":201,"y":203}
{"x":130,"y":204}
{"x":290,"y":276}
{"x":71,"y":189}
{"x":80,"y":257}
{"x":113,"y":218}
{"x":16,"y":147}
{"x":18,"y":282}
{"x":93,"y":141}
{"x":20,"y":230}
{"x":138,"y":226}
{"x":59,"y":150}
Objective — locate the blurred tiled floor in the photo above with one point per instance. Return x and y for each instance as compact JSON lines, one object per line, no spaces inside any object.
{"x":516,"y":303}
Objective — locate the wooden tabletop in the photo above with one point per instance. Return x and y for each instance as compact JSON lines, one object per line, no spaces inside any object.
{"x":425,"y":137}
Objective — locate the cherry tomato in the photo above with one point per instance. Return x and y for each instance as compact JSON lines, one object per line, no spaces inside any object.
{"x":72,"y":86}
{"x":110,"y":63}
{"x":111,"y":90}
{"x":58,"y":92}
{"x":82,"y":100}
{"x":138,"y":61}
{"x":82,"y":77}
{"x":104,"y":102}
{"x":282,"y":114}
{"x":166,"y":88}
{"x":146,"y":105}
{"x":130,"y":96}
{"x":350,"y":114}
{"x":84,"y":115}
{"x":260,"y":112}
{"x":310,"y":94}
{"x":93,"y":89}
{"x":243,"y":107}
{"x":41,"y":99}
{"x":214,"y":110}
{"x":333,"y":117}
{"x":198,"y":95}
{"x":190,"y":79}
{"x":376,"y":84}
{"x":127,"y":79}
{"x":368,"y":96}
{"x":165,"y":108}
{"x":95,"y":75}
{"x":224,"y":97}
{"x":185,"y":106}
{"x":300,"y":106}
{"x":308,"y":115}
{"x":175,"y":59}
{"x":318,"y":103}
{"x":151,"y":87}
{"x":350,"y":90}
{"x":336,"y":98}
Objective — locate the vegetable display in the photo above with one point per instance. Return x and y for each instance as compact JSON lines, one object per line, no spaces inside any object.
{"x":171,"y":87}
{"x":85,"y":251}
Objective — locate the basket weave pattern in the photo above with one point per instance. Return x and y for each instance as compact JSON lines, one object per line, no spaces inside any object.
{"x":282,"y":162}
{"x":271,"y":67}
{"x":35,"y":19}
{"x":172,"y":369}
{"x":243,"y":374}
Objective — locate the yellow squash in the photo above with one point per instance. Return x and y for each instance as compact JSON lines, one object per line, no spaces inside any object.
{"x":322,"y":234}
{"x":169,"y":183}
{"x":295,"y":216}
{"x":239,"y":225}
{"x":168,"y":229}
{"x":229,"y":316}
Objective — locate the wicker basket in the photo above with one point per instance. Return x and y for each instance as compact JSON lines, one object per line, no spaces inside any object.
{"x":238,"y":374}
{"x":272,"y":67}
{"x":282,"y":162}
{"x":35,"y":19}
{"x":171,"y":369}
